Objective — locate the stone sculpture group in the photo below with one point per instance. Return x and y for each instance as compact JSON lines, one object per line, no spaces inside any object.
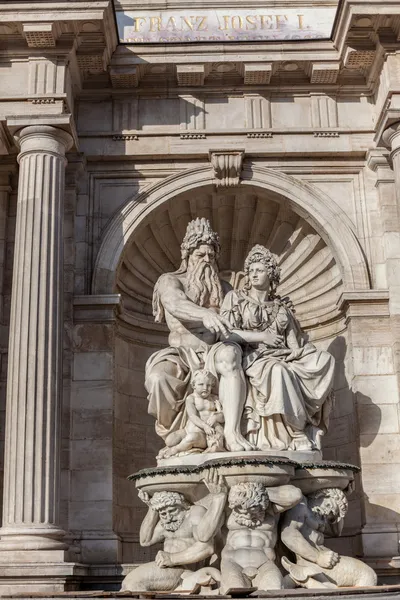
{"x":241,"y":399}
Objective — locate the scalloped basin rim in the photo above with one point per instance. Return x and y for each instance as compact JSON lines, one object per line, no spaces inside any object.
{"x":243,"y":462}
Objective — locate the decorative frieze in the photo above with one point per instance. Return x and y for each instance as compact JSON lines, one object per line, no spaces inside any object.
{"x":326,"y":134}
{"x":260,"y":134}
{"x":192,"y":136}
{"x":42,"y":100}
{"x":125,"y":137}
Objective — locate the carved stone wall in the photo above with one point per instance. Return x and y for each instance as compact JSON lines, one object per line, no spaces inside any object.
{"x":317,"y":182}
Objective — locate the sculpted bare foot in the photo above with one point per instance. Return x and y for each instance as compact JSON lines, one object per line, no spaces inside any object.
{"x":235,"y":442}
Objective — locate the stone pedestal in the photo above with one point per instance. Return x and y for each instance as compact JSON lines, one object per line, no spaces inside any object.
{"x":31,"y":531}
{"x":245,"y":495}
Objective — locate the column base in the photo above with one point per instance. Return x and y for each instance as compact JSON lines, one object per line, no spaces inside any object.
{"x":32,"y":538}
{"x":20,"y":575}
{"x":387,"y":569}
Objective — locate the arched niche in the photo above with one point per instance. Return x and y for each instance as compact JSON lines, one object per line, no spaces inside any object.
{"x":315,"y":207}
{"x":243,"y":217}
{"x":317,"y":251}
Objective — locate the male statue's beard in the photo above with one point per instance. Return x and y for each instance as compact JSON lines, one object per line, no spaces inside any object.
{"x":247,"y":521}
{"x":202,"y":284}
{"x":175,"y":523}
{"x":324,"y":517}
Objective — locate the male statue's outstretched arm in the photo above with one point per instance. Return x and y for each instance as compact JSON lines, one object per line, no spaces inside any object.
{"x":284,"y":497}
{"x":292,"y":536}
{"x":178,"y":305}
{"x":197,"y":552}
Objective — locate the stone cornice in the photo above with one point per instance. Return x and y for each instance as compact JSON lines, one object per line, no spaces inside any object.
{"x":45,"y":10}
{"x":96,"y":309}
{"x":58,"y":45}
{"x":295,"y":142}
{"x":364,"y":303}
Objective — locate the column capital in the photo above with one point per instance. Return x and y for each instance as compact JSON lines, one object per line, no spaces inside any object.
{"x":43,"y":138}
{"x":391,"y":137}
{"x":378,"y":160}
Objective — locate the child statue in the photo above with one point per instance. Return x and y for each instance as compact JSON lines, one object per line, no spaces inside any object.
{"x":203,"y":430}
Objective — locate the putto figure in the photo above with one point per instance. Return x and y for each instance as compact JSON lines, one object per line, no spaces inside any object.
{"x":248,"y":558}
{"x":288,"y":396}
{"x":303,"y":530}
{"x":204,"y":430}
{"x":189,"y":301}
{"x":187,"y":531}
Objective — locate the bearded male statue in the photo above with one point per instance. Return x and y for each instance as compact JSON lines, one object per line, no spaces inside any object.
{"x":251,"y":530}
{"x":303,"y":532}
{"x":188,"y":532}
{"x":189,"y":300}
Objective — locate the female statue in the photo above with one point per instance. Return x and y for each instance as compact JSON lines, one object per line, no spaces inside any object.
{"x":289,"y":380}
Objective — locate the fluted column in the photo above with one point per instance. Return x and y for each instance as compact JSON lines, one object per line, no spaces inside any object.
{"x":32,"y":445}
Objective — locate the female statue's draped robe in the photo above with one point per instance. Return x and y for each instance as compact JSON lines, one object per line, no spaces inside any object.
{"x":288,"y":389}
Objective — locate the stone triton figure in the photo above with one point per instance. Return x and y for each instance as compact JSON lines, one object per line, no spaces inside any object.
{"x":188,"y":533}
{"x":248,"y":557}
{"x":303,"y":531}
{"x":189,"y":300}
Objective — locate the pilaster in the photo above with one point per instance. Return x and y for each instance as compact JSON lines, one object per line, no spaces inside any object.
{"x":373,"y":379}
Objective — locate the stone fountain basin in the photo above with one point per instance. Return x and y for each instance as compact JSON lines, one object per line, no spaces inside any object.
{"x":271,"y":471}
{"x":317,"y":478}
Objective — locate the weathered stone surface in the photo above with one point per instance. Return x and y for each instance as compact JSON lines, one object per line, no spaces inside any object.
{"x":317,"y":122}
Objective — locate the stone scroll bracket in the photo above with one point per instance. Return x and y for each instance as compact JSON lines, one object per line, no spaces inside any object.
{"x":227,"y":166}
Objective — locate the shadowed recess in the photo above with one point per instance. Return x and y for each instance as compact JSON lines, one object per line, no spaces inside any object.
{"x":242,"y":217}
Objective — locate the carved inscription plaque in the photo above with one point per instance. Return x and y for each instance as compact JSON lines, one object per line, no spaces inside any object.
{"x":224,"y":25}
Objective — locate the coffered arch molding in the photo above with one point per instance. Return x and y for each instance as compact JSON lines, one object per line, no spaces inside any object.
{"x":318,"y":209}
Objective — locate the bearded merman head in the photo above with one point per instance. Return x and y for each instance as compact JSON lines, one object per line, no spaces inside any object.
{"x":249,"y":502}
{"x":171,"y":507}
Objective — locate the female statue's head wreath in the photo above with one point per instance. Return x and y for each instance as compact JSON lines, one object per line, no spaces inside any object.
{"x":264,"y":256}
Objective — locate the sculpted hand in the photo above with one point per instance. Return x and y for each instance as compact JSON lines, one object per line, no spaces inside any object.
{"x":327,"y":559}
{"x":163,"y":559}
{"x":211,"y":420}
{"x":274,"y":339}
{"x":144,"y":497}
{"x":214,"y":482}
{"x":216,"y":323}
{"x":207,"y":429}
